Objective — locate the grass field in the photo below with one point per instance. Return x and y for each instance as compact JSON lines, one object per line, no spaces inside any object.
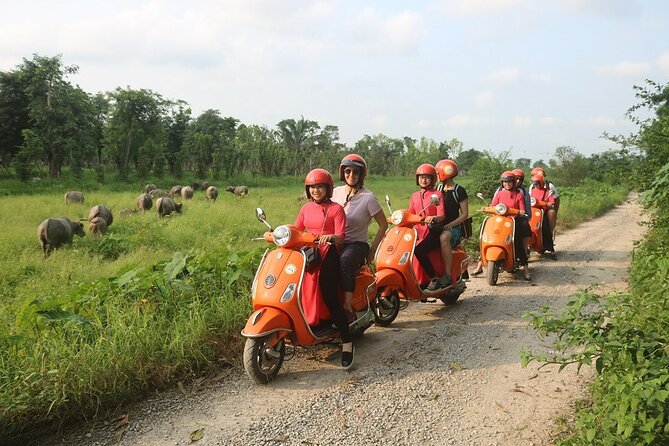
{"x":152,"y":302}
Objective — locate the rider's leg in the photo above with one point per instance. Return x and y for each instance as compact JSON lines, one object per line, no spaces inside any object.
{"x":446,"y":253}
{"x":351,"y":258}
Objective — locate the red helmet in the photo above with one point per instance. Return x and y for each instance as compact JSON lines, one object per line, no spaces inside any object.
{"x":354,"y":160}
{"x":508,"y":176}
{"x":446,"y":169}
{"x":319,"y":176}
{"x":427,"y":169}
{"x":519,"y":173}
{"x":539,"y":179}
{"x":537,"y":170}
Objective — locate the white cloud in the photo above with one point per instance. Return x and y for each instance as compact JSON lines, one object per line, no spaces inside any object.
{"x":541,"y":78}
{"x":397,"y":34}
{"x":522,"y":122}
{"x":663,"y":62}
{"x":468,"y":8}
{"x":625,"y":69}
{"x":601,"y":121}
{"x":465,"y":120}
{"x":605,"y":8}
{"x":379,"y":122}
{"x":504,"y":76}
{"x":484,"y":100}
{"x":549,"y":121}
{"x":423,"y":124}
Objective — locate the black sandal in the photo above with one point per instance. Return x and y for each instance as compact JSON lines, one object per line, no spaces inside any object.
{"x":476,"y":272}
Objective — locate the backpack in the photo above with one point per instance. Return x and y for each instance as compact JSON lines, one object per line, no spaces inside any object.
{"x":465,"y":226}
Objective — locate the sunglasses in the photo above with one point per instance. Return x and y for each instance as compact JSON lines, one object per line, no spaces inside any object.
{"x":351,"y":172}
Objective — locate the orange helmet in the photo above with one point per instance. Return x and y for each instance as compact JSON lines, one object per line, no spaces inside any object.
{"x":427,"y":169}
{"x":519,"y":173}
{"x":446,"y":169}
{"x":539,"y":179}
{"x":537,"y":170}
{"x":354,"y":160}
{"x":508,"y":176}
{"x":319,"y":176}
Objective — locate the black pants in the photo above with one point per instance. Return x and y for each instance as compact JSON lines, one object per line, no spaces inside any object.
{"x":547,"y":234}
{"x":329,"y":285}
{"x":430,"y":242}
{"x":351,"y":258}
{"x":522,"y":230}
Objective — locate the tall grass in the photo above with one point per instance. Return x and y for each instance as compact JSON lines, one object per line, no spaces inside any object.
{"x":152,"y":302}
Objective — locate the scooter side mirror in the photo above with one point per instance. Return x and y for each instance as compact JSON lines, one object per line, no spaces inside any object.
{"x":480,"y":195}
{"x":434,"y":199}
{"x":260,"y":215}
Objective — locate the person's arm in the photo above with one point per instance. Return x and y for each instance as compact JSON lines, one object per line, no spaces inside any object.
{"x":299,"y":221}
{"x":380,"y":218}
{"x":339,"y":226}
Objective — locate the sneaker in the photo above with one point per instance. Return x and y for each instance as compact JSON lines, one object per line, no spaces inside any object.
{"x":347,"y":359}
{"x":476,"y":272}
{"x":434,"y":285}
{"x":445,"y":281}
{"x":553,"y":255}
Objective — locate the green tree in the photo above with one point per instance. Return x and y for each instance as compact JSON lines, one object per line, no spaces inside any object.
{"x":135,"y":132}
{"x":569,"y":166}
{"x":13,"y":114}
{"x":467,"y":159}
{"x":298,"y":138}
{"x":176,"y":124}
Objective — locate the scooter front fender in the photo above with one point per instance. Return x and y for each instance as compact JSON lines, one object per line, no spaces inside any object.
{"x":389,"y":278}
{"x":494,"y":253}
{"x":265,"y":321}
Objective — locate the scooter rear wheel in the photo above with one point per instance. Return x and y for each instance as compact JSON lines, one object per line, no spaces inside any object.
{"x":492,"y":273}
{"x":262,"y":363}
{"x":386,"y":309}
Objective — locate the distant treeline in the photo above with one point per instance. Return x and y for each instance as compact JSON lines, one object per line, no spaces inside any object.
{"x":47,"y":123}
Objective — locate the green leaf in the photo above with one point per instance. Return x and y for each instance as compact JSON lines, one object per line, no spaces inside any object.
{"x":175,"y":266}
{"x":126,"y":278}
{"x":57,"y":314}
{"x":590,"y":434}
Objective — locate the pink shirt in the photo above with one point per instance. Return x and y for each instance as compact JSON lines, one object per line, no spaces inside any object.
{"x":322,"y":218}
{"x":542,"y":194}
{"x":360,"y":209}
{"x":420,"y":199}
{"x":511,"y":198}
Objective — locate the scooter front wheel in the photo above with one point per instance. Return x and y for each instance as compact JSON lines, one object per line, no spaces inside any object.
{"x":386,"y":309}
{"x":492,"y":273}
{"x":262,"y":362}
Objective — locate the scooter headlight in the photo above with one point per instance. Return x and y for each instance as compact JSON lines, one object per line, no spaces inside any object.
{"x":281,"y":235}
{"x":288,"y":293}
{"x":501,"y":209}
{"x":396,"y":217}
{"x":533,"y":201}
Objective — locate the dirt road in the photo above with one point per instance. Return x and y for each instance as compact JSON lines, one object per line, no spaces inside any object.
{"x":438,"y":375}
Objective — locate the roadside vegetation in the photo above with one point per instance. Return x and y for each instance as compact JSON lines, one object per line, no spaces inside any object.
{"x":624,"y":335}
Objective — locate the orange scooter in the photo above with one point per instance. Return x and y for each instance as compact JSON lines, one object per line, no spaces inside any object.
{"x":497,"y":240}
{"x":397,"y":270}
{"x":278,"y":317}
{"x":538,"y":242}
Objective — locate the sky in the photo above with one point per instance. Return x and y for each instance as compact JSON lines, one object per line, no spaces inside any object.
{"x":521,"y":75}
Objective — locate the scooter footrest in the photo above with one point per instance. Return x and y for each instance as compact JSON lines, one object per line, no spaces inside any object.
{"x":323,"y":330}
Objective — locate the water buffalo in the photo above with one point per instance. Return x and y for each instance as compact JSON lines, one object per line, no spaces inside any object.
{"x":127,"y":211}
{"x":212,"y":193}
{"x":55,"y":232}
{"x":97,"y":226}
{"x":149,"y":187}
{"x":175,"y":191}
{"x":166,"y":206}
{"x":101,"y":211}
{"x":240,"y":191}
{"x":205,"y":185}
{"x":144,"y":202}
{"x":157,"y":193}
{"x":187,"y":192}
{"x":74,"y":196}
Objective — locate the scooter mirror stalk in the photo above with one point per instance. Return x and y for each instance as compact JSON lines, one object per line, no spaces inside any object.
{"x":260,"y":215}
{"x":388,"y":204}
{"x":480,"y":195}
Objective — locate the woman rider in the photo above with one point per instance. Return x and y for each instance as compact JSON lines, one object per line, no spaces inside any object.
{"x":323,"y":217}
{"x":360,"y":206}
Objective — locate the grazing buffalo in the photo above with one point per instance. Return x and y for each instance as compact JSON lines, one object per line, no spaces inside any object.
{"x":74,"y":196}
{"x":195,"y":185}
{"x":127,"y":211}
{"x":101,"y":211}
{"x":157,"y":193}
{"x":205,"y":185}
{"x":175,"y":191}
{"x":166,"y":206}
{"x":212,"y":193}
{"x":55,"y":232}
{"x":186,"y":192}
{"x":240,"y":191}
{"x":149,"y":187}
{"x":97,"y":226}
{"x":144,"y":202}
